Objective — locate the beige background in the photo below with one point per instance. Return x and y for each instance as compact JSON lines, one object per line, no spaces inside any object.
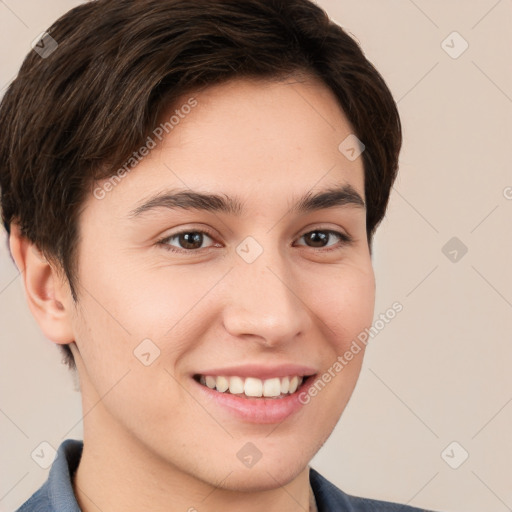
{"x":438,"y":372}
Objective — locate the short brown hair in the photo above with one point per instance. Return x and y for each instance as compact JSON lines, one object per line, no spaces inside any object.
{"x":77,"y":114}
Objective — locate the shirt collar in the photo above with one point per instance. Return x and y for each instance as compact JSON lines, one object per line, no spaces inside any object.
{"x":59,"y":486}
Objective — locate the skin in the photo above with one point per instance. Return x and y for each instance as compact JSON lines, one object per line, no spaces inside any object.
{"x":149,"y":438}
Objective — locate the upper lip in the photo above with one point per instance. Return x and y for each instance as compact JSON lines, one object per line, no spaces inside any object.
{"x":260,"y":371}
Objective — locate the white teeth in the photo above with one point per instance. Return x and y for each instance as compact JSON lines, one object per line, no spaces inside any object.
{"x":253,"y":387}
{"x":285,"y":385}
{"x":222,"y":384}
{"x":236,"y":385}
{"x":294,"y":383}
{"x":272,"y":387}
{"x":210,"y":381}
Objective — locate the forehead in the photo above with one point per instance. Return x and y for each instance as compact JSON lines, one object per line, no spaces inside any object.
{"x":264,"y":141}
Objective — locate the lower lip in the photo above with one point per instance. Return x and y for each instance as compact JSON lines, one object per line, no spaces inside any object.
{"x":258,"y":410}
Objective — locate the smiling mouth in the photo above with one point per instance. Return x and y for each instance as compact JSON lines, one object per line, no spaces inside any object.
{"x":252,"y":387}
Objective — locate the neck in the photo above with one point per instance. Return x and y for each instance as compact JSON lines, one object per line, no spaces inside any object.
{"x":117,"y":472}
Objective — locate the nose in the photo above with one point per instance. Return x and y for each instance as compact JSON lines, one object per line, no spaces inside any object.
{"x":264,"y":301}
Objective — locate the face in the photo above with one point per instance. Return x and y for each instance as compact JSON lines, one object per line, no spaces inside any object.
{"x":172,"y":295}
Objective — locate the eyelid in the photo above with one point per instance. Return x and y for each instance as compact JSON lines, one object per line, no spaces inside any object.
{"x":344,"y":239}
{"x":202,"y":230}
{"x":328,"y":229}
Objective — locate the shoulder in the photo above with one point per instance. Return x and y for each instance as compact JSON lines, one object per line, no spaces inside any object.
{"x":331,"y":498}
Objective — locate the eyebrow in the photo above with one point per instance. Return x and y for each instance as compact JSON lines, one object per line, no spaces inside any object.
{"x":339,"y":196}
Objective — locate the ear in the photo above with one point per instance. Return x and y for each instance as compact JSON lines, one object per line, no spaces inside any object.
{"x":48,"y":295}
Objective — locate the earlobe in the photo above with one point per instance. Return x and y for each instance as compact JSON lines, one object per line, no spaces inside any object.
{"x":47,"y":297}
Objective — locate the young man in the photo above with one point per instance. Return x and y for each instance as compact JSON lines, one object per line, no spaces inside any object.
{"x":191,"y":190}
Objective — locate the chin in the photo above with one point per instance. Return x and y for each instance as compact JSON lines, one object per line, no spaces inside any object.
{"x":262,"y":477}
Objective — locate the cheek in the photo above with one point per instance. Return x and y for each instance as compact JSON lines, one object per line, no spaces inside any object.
{"x":344,"y":307}
{"x":141,"y":300}
{"x":126,"y":314}
{"x":115,"y":349}
{"x":345,"y":303}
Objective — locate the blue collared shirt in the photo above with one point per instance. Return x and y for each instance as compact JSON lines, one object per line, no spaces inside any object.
{"x":56,"y":494}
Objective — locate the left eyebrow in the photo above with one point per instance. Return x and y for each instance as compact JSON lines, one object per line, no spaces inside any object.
{"x":340,"y":196}
{"x":344,"y":195}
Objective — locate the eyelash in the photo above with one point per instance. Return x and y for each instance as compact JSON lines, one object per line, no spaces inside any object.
{"x":344,"y":238}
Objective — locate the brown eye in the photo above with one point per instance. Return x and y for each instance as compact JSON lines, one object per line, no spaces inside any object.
{"x":319,"y":238}
{"x":186,"y":241}
{"x":192,"y":240}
